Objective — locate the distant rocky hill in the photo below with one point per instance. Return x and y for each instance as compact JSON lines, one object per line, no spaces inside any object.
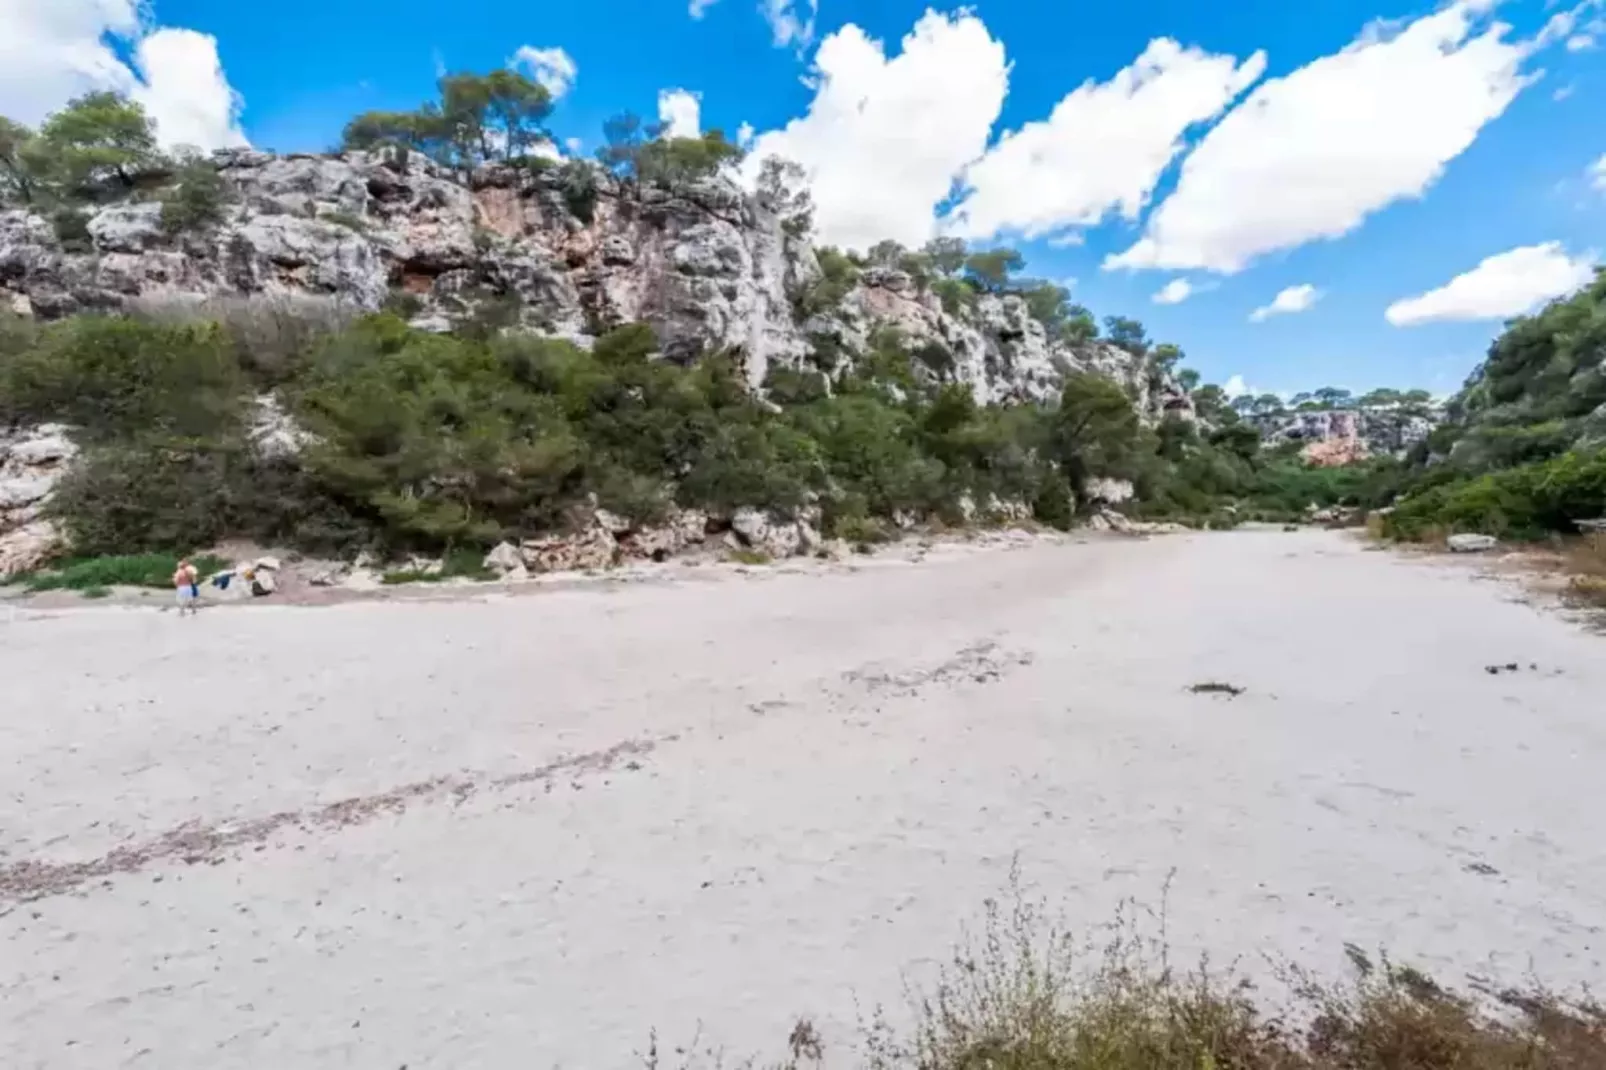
{"x":703,"y":262}
{"x":1347,"y":435}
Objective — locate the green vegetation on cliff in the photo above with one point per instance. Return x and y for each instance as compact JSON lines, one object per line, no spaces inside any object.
{"x":412,"y":440}
{"x":1524,"y":451}
{"x":403,"y":439}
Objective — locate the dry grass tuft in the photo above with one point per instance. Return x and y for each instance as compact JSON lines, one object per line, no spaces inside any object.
{"x":269,"y":332}
{"x":1022,"y":994}
{"x":1584,"y":560}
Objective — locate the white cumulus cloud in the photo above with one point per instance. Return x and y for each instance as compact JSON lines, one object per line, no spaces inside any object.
{"x":884,"y":136}
{"x":552,"y":68}
{"x":698,"y":8}
{"x":54,"y":50}
{"x":681,"y":112}
{"x":1312,"y":154}
{"x":1597,"y":174}
{"x":1103,"y":147}
{"x":1174,"y":292}
{"x":1507,"y":284}
{"x":1581,"y":42}
{"x":1293,"y":299}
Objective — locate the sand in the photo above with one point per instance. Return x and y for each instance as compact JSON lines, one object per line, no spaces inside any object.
{"x":522,"y":830}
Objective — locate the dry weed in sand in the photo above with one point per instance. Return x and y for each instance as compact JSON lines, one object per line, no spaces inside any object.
{"x":1585,"y":563}
{"x":1216,"y":687}
{"x":1022,"y":994}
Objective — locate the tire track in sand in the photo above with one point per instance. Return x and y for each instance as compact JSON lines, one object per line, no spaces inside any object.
{"x":198,"y":842}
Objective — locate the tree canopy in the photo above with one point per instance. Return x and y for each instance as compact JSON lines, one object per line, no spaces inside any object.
{"x":1126,"y":333}
{"x":99,"y":136}
{"x":989,"y":269}
{"x":479,"y":118}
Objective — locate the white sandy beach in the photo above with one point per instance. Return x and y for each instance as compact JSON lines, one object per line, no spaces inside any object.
{"x":520,"y":830}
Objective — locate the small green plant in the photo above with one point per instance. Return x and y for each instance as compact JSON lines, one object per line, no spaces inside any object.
{"x":838,"y":275}
{"x":749,"y":556}
{"x":72,"y":230}
{"x":198,"y":201}
{"x":355,"y":223}
{"x":402,"y":303}
{"x":96,"y":592}
{"x":535,"y":165}
{"x":858,"y":530}
{"x":101,"y":573}
{"x":958,"y":297}
{"x":577,"y":179}
{"x":462,"y":563}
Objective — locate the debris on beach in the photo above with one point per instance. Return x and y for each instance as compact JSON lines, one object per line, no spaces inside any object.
{"x":256,"y":579}
{"x":1468,"y":543}
{"x":1217,"y":687}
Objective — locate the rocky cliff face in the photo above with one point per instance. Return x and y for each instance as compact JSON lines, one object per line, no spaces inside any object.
{"x":1344,"y":436}
{"x":704,"y":263}
{"x":32,"y":461}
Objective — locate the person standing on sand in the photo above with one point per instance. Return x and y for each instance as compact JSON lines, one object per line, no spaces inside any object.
{"x":187,"y":584}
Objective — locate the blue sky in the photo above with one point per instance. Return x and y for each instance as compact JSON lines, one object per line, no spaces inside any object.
{"x":1235,"y":150}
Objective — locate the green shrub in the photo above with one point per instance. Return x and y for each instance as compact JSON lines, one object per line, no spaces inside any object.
{"x":402,"y":304}
{"x":672,"y":161}
{"x":355,"y":223}
{"x":152,"y":493}
{"x":462,"y":563}
{"x":1524,"y":502}
{"x":198,"y":201}
{"x":88,"y":574}
{"x":577,"y":179}
{"x":1054,"y":503}
{"x":957,"y":296}
{"x":936,"y":357}
{"x":418,"y":441}
{"x":838,"y":275}
{"x":71,"y":226}
{"x":859,"y":530}
{"x":789,"y":386}
{"x":269,"y":334}
{"x":115,"y":378}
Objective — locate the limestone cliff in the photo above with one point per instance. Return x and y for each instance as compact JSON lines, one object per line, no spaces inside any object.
{"x":567,"y":250}
{"x":1344,"y":436}
{"x":704,"y":263}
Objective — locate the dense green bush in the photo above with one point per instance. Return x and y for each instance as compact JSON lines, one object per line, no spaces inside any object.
{"x":838,"y":274}
{"x":71,"y":226}
{"x":198,"y":199}
{"x":153,"y":492}
{"x":1524,"y":502}
{"x":423,"y":441}
{"x":115,"y":378}
{"x":578,"y":183}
